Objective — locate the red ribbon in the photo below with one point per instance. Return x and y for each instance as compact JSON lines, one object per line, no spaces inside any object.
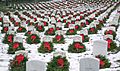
{"x":82,"y":37}
{"x":47,"y":45}
{"x":68,"y":24}
{"x":60,"y":62}
{"x":92,"y":29}
{"x":58,"y":37}
{"x":0,"y":18}
{"x":10,"y":38}
{"x":40,"y":27}
{"x":109,"y":42}
{"x":16,"y":23}
{"x":102,"y":63}
{"x":35,"y":19}
{"x":71,"y":31}
{"x":5,"y":29}
{"x":20,"y":58}
{"x":16,"y":45}
{"x":87,"y":23}
{"x":33,"y":37}
{"x":45,"y":23}
{"x":82,"y":24}
{"x":20,"y":28}
{"x":109,"y":32}
{"x":76,"y":27}
{"x":78,"y":46}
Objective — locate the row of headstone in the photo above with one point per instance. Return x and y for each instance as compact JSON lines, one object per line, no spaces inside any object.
{"x":86,"y":64}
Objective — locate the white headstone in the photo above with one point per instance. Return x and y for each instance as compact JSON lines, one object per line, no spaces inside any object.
{"x":23,"y":24}
{"x":35,"y":32}
{"x":35,"y":65}
{"x":59,"y":53}
{"x":59,"y":24}
{"x":59,"y":32}
{"x":100,"y":47}
{"x":11,"y":28}
{"x":84,"y":31}
{"x":18,"y":39}
{"x":30,"y":28}
{"x":51,"y":26}
{"x":47,"y":39}
{"x":5,"y":25}
{"x":89,"y":64}
{"x":71,"y":26}
{"x":77,"y":39}
{"x":40,"y":23}
{"x":110,"y":28}
{"x":10,"y":32}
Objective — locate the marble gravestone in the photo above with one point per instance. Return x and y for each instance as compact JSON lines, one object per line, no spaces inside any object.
{"x":108,"y":36}
{"x":89,"y":64}
{"x":77,"y":38}
{"x":100,"y":47}
{"x":35,"y":65}
{"x":84,"y":31}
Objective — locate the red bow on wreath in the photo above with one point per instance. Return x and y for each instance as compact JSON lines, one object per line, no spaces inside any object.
{"x":82,"y":37}
{"x":64,"y":21}
{"x":45,"y":23}
{"x":16,"y":45}
{"x":92,"y":29}
{"x":109,"y":42}
{"x":76,"y":26}
{"x":29,"y":32}
{"x":68,"y":24}
{"x":102,"y":63}
{"x":11,"y":19}
{"x":10,"y":38}
{"x":82,"y":24}
{"x":40,"y":27}
{"x":20,"y":58}
{"x":109,"y":32}
{"x":58,"y":37}
{"x":87,"y":23}
{"x":47,"y":45}
{"x":81,"y":17}
{"x":71,"y":31}
{"x":60,"y":62}
{"x":20,"y":28}
{"x":35,"y":19}
{"x":5,"y":29}
{"x":0,"y":19}
{"x":16,"y":23}
{"x":50,"y":31}
{"x":33,"y":37}
{"x":78,"y":46}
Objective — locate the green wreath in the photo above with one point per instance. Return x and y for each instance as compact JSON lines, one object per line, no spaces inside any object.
{"x":14,"y":66}
{"x":42,"y":49}
{"x":104,"y":62}
{"x":12,"y":48}
{"x":31,"y":41}
{"x":40,"y":30}
{"x":60,"y":41}
{"x":73,"y":49}
{"x":92,"y":32}
{"x":23,"y":29}
{"x":6,"y":39}
{"x":73,"y":33}
{"x":53,"y":65}
{"x":47,"y":32}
